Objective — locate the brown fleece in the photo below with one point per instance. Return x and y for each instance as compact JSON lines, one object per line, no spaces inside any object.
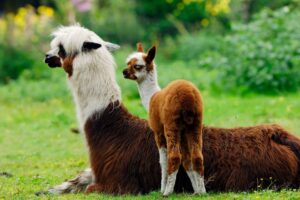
{"x":124,"y":156}
{"x":175,"y":116}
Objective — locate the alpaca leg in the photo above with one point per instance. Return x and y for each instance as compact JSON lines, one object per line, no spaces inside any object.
{"x":174,"y":158}
{"x":75,"y":185}
{"x":189,"y":170}
{"x":163,"y":165}
{"x":197,"y":167}
{"x":199,"y":179}
{"x":162,"y":149}
{"x":94,"y":188}
{"x":187,"y":162}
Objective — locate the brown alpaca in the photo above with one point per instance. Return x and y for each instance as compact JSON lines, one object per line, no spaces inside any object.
{"x":123,"y":154}
{"x":175,"y":116}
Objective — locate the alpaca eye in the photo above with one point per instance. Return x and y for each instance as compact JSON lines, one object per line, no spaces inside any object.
{"x":138,"y":67}
{"x":62,"y":52}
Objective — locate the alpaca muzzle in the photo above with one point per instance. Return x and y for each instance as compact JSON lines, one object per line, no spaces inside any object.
{"x":128,"y":75}
{"x":52,"y":61}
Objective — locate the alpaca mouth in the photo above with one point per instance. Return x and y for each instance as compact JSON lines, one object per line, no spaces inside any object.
{"x":52,"y":61}
{"x":130,"y":77}
{"x":127,"y":75}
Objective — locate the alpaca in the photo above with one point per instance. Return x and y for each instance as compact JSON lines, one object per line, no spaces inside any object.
{"x":175,"y":116}
{"x":123,"y":155}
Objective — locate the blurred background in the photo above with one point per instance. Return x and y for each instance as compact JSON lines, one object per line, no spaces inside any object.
{"x":243,"y":45}
{"x":243,"y":55}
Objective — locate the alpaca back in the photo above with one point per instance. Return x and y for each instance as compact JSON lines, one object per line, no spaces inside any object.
{"x":179,"y":101}
{"x":244,"y":158}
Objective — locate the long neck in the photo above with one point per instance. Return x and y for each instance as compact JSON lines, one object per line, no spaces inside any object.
{"x":147,"y":88}
{"x":94,"y":88}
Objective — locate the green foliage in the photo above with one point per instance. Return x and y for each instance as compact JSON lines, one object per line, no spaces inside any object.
{"x":168,"y":17}
{"x":264,"y":56}
{"x":22,"y":38}
{"x":10,"y":67}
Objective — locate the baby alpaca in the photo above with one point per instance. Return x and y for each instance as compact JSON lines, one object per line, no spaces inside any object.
{"x":175,"y":116}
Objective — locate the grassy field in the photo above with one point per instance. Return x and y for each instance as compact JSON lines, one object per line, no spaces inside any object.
{"x":38,"y":149}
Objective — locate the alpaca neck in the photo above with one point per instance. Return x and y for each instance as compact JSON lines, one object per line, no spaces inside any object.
{"x":94,"y":88}
{"x":147,"y":88}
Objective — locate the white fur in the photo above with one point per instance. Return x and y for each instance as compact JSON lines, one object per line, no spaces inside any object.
{"x":170,"y":183}
{"x":197,"y":181}
{"x":200,"y":189}
{"x":191,"y":176}
{"x":163,"y":165}
{"x":147,"y":80}
{"x":93,"y":81}
{"x":75,"y":185}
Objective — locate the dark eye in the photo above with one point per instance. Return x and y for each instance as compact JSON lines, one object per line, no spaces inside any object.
{"x":138,"y":67}
{"x":62,"y":52}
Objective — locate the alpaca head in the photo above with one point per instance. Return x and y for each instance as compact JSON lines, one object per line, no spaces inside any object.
{"x":140,"y":64}
{"x":75,"y":43}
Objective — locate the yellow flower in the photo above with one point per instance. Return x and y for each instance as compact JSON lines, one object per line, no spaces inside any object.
{"x":19,"y":20}
{"x":2,"y":25}
{"x":204,"y":22}
{"x":45,"y":10}
{"x":220,"y":6}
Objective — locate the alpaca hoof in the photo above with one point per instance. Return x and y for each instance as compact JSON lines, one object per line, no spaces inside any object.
{"x":201,"y":191}
{"x":167,"y":193}
{"x":93,"y":188}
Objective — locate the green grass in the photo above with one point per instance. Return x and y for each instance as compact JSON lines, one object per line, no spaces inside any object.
{"x":37,"y":148}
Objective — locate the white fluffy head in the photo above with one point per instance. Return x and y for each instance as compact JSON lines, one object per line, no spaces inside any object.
{"x":91,"y":68}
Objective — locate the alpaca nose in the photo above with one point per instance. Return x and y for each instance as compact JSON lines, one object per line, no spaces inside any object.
{"x":48,"y":57}
{"x":125,"y":73}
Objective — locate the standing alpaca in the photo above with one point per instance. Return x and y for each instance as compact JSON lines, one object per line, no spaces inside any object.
{"x":123,"y":154}
{"x":175,"y":116}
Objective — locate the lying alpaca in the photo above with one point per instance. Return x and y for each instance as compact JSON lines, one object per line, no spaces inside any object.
{"x":175,"y":116}
{"x":123,"y":154}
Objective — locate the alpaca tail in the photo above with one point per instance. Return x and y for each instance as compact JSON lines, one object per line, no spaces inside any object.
{"x":281,"y":136}
{"x":188,"y":116}
{"x":189,"y":108}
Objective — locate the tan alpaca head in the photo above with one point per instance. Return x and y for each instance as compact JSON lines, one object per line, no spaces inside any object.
{"x":140,"y":64}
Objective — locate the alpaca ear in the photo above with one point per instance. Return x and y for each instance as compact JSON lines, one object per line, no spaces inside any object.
{"x":111,"y":46}
{"x":139,"y":47}
{"x":151,"y":54}
{"x":87,"y":46}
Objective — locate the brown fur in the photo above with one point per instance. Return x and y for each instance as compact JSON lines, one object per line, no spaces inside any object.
{"x":68,"y":65}
{"x":140,"y":47}
{"x":124,"y":156}
{"x":175,"y":117}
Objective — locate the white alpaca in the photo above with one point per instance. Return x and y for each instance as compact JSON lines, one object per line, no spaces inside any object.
{"x":106,"y":123}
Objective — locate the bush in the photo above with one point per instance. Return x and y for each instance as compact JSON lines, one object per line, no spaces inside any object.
{"x":22,"y":36}
{"x":264,"y":56}
{"x":12,"y":62}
